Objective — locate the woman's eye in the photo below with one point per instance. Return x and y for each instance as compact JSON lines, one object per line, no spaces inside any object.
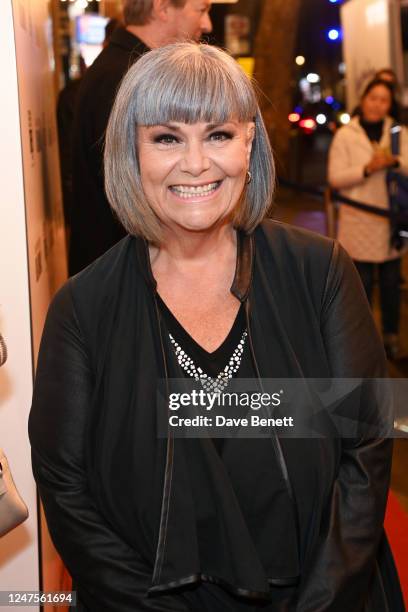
{"x":166,"y":139}
{"x":220,"y":136}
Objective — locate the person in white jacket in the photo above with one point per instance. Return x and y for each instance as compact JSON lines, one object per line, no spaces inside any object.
{"x":359,"y":159}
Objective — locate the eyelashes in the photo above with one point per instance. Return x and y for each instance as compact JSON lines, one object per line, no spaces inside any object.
{"x":221,"y":135}
{"x":171,"y":139}
{"x":165,"y":139}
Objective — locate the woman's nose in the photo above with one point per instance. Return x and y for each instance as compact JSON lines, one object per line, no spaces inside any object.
{"x":194,"y":160}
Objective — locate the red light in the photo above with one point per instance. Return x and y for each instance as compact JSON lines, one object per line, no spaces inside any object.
{"x":308,"y":124}
{"x":294,"y":117}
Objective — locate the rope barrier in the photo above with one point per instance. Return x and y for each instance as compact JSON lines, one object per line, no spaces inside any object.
{"x":399,"y":218}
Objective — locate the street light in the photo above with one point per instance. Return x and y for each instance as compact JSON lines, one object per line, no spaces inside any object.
{"x":294,"y":117}
{"x":312,"y":77}
{"x":333,"y":34}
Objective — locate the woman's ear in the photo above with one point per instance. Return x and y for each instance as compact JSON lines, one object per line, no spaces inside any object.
{"x":250,"y":135}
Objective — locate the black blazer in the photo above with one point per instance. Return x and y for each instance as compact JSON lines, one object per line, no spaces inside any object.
{"x":94,"y":229}
{"x":117,"y":498}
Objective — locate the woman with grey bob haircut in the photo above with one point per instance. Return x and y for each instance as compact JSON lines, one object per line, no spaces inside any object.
{"x":205,"y":298}
{"x":187,"y":83}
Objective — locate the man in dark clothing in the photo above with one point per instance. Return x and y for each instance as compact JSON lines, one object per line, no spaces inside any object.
{"x":148,"y":24}
{"x":67,"y":100}
{"x":65,"y":118}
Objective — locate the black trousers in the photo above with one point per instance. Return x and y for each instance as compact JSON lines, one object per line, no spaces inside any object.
{"x":389,"y":273}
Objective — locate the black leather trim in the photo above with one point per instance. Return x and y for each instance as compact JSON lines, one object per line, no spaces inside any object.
{"x":289,"y":581}
{"x":284,"y":582}
{"x":245,"y":264}
{"x":168,"y":473}
{"x":142,"y":252}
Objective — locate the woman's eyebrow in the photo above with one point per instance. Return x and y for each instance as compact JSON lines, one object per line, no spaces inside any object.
{"x":169,"y":126}
{"x":212,"y":126}
{"x":176,"y":128}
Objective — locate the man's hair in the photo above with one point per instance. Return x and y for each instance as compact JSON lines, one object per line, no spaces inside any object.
{"x":188,"y":83}
{"x":138,"y":12}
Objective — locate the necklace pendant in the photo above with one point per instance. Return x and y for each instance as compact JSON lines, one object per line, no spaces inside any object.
{"x":221,"y":381}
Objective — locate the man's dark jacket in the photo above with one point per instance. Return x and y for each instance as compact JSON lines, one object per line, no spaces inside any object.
{"x":94,"y":229}
{"x":121,"y":503}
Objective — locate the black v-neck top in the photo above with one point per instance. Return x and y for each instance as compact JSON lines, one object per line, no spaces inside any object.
{"x":212,"y":363}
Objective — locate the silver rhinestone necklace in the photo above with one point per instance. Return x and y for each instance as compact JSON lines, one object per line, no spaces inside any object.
{"x":220,"y":382}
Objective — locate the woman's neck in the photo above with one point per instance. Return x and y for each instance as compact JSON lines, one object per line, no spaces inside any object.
{"x":194,"y":249}
{"x":373,"y":129}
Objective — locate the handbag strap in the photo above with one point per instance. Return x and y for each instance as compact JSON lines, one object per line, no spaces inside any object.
{"x":395,"y":133}
{"x":392,"y":186}
{"x":395,"y":138}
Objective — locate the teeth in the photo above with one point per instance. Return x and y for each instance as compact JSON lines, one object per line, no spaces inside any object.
{"x":186,"y":191}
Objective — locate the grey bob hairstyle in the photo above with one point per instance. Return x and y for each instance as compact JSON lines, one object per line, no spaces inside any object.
{"x":187,"y":83}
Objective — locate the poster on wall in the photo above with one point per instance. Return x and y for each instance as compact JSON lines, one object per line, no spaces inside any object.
{"x":237,"y":33}
{"x":43,"y":199}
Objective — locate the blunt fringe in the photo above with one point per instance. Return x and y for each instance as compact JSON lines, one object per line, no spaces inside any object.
{"x":187,"y":83}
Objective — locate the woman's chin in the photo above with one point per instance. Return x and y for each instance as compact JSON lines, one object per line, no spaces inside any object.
{"x":196,"y":222}
{"x":374,"y":118}
{"x":202,"y":224}
{"x":197,"y":227}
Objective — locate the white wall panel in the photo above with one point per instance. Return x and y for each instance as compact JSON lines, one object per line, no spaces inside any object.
{"x":32,"y":255}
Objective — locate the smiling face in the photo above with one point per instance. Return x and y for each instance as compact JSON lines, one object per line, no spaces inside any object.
{"x":190,"y":21}
{"x":193,"y":175}
{"x":376,"y":103}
